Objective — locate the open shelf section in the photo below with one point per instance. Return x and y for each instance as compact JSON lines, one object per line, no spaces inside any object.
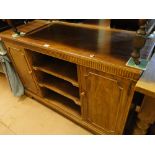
{"x":62,"y":102}
{"x":56,"y":67}
{"x":66,"y":71}
{"x":59,"y":86}
{"x":58,"y":81}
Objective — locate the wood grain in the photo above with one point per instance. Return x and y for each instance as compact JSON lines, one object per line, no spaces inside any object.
{"x":105,"y":83}
{"x":62,"y":102}
{"x":106,"y":100}
{"x":60,"y":69}
{"x":95,"y":48}
{"x":60,"y":87}
{"x":25,"y":73}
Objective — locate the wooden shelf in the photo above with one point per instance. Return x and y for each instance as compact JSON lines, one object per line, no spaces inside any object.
{"x":56,"y":67}
{"x":59,"y":86}
{"x":62,"y":102}
{"x":65,"y":70}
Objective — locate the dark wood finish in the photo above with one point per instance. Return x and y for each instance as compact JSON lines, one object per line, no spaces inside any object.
{"x":100,"y":55}
{"x":10,"y":22}
{"x":104,"y":45}
{"x":139,"y":42}
{"x":146,"y":28}
{"x":95,"y":48}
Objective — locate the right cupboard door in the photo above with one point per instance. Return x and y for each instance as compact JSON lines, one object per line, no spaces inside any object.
{"x":105,"y":100}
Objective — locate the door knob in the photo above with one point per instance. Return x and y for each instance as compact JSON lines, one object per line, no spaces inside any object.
{"x":30,"y":72}
{"x":82,"y":93}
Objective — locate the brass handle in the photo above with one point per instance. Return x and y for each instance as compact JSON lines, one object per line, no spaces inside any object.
{"x":30,"y":72}
{"x":86,"y":75}
{"x":82,"y":93}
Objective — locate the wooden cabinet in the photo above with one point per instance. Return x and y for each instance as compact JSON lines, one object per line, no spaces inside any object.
{"x":105,"y":99}
{"x":79,"y":72}
{"x":18,"y":58}
{"x":95,"y":99}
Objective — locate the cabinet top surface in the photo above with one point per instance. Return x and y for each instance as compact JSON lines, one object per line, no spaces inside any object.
{"x":102,"y":44}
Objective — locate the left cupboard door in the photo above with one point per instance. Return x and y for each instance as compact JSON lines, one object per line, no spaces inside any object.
{"x":20,"y":63}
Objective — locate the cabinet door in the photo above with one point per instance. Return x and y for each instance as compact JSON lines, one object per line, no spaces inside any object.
{"x":25,"y":73}
{"x":105,"y":100}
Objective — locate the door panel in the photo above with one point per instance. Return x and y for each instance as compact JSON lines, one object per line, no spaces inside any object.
{"x":104,"y":98}
{"x":106,"y":101}
{"x":25,"y":73}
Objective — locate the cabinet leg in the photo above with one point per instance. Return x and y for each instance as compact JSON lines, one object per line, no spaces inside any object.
{"x":146,"y":116}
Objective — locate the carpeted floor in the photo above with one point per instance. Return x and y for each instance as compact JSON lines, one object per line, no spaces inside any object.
{"x":26,"y":116}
